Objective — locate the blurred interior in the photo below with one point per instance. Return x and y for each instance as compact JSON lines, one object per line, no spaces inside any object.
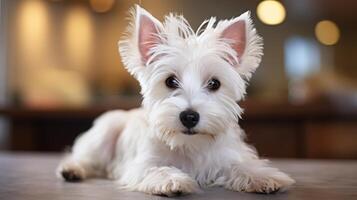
{"x":60,"y":68}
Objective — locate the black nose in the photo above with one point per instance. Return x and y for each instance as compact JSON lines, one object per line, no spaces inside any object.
{"x":189,"y":118}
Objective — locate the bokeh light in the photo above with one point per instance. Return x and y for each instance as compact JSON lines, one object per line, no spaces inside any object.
{"x":327,"y":32}
{"x":101,"y":6}
{"x":271,"y":12}
{"x":79,"y":36}
{"x":33,"y":29}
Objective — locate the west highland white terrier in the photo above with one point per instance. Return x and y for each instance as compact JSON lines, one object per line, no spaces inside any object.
{"x":186,"y":134}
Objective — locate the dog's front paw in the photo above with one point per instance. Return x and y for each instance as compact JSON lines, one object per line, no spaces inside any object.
{"x":270,"y":184}
{"x":169,"y":182}
{"x":174,"y":187}
{"x":267,"y":184}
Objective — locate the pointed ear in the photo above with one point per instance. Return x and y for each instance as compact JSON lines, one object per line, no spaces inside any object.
{"x":245,"y":42}
{"x":141,"y":36}
{"x":148,"y":32}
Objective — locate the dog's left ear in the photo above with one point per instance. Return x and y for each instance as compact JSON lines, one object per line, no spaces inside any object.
{"x":244,"y":40}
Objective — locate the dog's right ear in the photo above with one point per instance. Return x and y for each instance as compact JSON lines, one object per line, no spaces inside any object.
{"x":141,"y":36}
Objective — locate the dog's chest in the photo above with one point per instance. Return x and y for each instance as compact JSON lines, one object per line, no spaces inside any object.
{"x":205,"y":167}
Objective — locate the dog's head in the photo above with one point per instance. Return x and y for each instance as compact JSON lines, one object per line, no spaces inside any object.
{"x":191,"y":80}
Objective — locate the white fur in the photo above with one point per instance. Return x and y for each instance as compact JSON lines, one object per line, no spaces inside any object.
{"x":145,"y":149}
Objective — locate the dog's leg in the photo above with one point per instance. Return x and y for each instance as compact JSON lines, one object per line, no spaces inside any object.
{"x":257,"y":176}
{"x":167,"y":181}
{"x":251,"y":174}
{"x":94,"y":149}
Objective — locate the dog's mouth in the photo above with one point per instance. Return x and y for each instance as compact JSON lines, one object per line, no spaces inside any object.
{"x":189,"y":132}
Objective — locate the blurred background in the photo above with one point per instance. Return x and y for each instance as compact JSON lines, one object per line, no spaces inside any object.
{"x":60,"y":68}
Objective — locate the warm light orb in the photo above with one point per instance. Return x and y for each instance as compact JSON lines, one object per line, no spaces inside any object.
{"x":327,"y":32}
{"x":78,"y":40}
{"x":271,"y":12}
{"x":101,"y":6}
{"x":33,"y":30}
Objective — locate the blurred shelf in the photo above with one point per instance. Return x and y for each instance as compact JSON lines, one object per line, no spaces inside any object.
{"x":89,"y":111}
{"x":276,"y":129}
{"x":253,"y":110}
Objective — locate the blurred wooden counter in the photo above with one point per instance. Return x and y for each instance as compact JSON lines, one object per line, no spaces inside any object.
{"x":314,"y":130}
{"x":32,"y":176}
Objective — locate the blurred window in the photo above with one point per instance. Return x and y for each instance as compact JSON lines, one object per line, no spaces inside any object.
{"x":302,"y":57}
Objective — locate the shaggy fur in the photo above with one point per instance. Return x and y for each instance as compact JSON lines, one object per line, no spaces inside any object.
{"x":146,"y":149}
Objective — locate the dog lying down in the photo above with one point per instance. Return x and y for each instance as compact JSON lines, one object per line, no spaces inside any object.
{"x":185,"y":136}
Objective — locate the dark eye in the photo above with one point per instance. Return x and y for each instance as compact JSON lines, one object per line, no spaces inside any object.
{"x":172,"y":82}
{"x":213,"y":84}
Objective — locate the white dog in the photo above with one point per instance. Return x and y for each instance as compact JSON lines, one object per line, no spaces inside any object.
{"x":186,"y":135}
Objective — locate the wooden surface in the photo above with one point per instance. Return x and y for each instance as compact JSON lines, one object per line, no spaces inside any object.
{"x":31,"y":176}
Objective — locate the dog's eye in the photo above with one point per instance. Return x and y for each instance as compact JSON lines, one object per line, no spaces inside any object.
{"x":213,"y":84}
{"x":172,"y":82}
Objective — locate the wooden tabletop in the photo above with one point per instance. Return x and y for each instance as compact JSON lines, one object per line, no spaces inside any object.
{"x":31,"y":176}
